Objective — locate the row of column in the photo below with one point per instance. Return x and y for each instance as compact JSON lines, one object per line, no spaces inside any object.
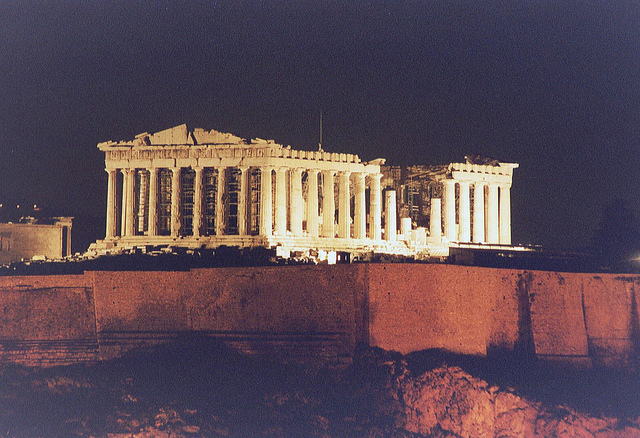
{"x":491,"y":216}
{"x":267,"y":216}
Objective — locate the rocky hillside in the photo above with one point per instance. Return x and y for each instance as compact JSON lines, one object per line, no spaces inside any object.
{"x":201,"y":389}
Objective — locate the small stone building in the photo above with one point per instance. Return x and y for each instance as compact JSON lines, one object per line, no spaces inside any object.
{"x":35,"y":238}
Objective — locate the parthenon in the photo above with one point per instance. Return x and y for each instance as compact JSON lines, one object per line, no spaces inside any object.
{"x":204,"y":189}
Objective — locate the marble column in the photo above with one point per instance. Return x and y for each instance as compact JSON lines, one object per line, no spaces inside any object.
{"x":243,"y":204}
{"x":390,"y":222}
{"x":130,"y":225}
{"x":111,"y":204}
{"x":175,"y":202}
{"x":375,"y":195}
{"x":465,"y":213}
{"x":197,"y":202}
{"x":505,"y":215}
{"x":153,"y":202}
{"x":328,"y":204}
{"x":492,"y":215}
{"x":312,"y":203}
{"x":123,"y":205}
{"x":435,"y":220}
{"x":142,"y":201}
{"x":344,"y":213}
{"x":281,"y":201}
{"x":478,"y":212}
{"x":266,"y":202}
{"x":360,"y":209}
{"x":220,"y":197}
{"x":450,"y":210}
{"x":297,"y":202}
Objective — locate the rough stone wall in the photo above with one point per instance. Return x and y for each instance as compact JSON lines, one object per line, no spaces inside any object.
{"x":610,"y":305}
{"x":305,"y":312}
{"x":47,"y":320}
{"x":574,"y":318}
{"x":292,"y":311}
{"x":414,"y":307}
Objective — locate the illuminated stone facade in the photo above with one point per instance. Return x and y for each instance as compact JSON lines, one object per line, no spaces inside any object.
{"x":459,"y":203}
{"x":204,"y":189}
{"x":35,"y":239}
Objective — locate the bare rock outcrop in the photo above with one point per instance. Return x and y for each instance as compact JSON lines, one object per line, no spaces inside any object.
{"x":448,"y":401}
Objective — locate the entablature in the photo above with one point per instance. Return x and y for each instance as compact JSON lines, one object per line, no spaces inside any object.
{"x":256,"y":162}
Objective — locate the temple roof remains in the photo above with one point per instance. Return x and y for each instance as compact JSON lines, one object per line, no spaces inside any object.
{"x":183,"y":136}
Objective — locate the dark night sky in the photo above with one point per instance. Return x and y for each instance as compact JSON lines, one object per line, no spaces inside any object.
{"x":554,"y":86}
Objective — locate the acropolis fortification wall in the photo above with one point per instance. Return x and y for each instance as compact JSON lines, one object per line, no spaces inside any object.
{"x":311,"y":312}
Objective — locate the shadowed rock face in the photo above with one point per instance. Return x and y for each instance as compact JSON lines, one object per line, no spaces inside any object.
{"x":451,"y":400}
{"x":203,"y":389}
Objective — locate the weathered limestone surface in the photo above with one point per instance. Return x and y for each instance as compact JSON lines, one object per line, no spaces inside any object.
{"x":47,"y":320}
{"x":415,"y":307}
{"x":322,"y":311}
{"x":25,"y":240}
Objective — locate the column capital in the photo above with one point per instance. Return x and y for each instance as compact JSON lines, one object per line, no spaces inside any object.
{"x":504,"y":185}
{"x":377,"y":176}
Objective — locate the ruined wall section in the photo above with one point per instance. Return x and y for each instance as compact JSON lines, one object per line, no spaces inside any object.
{"x":23,"y":241}
{"x":610,"y":306}
{"x":294,"y":312}
{"x":415,"y":307}
{"x":47,"y":320}
{"x":321,"y":312}
{"x":570,"y":318}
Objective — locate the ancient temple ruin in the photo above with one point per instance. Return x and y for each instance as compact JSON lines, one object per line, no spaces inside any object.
{"x":203,"y":189}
